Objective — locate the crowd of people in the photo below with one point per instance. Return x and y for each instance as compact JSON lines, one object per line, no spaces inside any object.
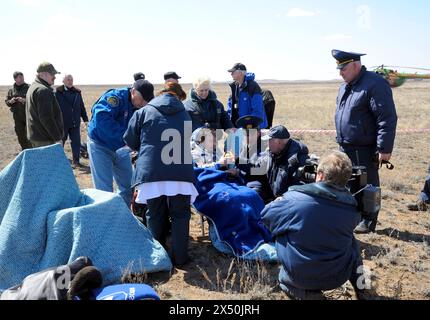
{"x":312,"y":224}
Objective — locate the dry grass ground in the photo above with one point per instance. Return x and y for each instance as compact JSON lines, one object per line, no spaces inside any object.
{"x":398,"y":254}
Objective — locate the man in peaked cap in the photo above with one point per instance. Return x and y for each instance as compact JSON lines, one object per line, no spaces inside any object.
{"x":43,"y":113}
{"x":109,"y":156}
{"x":366,"y":121}
{"x":344,"y":58}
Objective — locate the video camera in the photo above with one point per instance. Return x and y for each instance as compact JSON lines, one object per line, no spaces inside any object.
{"x":308,"y":173}
{"x":368,"y":196}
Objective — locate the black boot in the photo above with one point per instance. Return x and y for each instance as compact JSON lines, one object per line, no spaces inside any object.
{"x":300,"y":294}
{"x":366,"y":226}
{"x":418,"y":206}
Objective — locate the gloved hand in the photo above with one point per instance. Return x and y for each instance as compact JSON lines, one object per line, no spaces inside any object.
{"x":71,"y":281}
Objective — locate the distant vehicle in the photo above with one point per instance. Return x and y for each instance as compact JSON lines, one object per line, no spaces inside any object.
{"x":395,"y":78}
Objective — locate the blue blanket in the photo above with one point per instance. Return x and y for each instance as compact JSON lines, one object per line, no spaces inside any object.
{"x":234,"y":214}
{"x":46,"y":221}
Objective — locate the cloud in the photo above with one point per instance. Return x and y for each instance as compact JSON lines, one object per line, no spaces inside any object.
{"x":31,"y":3}
{"x":298,"y":12}
{"x":55,"y":24}
{"x":337,"y":37}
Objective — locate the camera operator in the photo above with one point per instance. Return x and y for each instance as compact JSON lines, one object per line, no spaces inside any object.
{"x":285,"y":157}
{"x":313,"y":227}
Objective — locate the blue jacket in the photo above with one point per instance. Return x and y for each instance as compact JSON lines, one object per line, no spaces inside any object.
{"x":248,"y":99}
{"x":110,"y":117}
{"x":233,"y":208}
{"x":366,"y":114}
{"x":282,"y":167}
{"x":313,"y":225}
{"x":72,"y":107}
{"x":147,"y":133}
{"x":209,"y":111}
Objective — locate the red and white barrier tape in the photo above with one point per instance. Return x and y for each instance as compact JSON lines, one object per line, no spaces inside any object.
{"x":334,"y":131}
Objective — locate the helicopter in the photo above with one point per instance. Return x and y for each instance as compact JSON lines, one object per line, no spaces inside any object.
{"x":395,"y":78}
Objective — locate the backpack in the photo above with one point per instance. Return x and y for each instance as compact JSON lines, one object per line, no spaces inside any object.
{"x":269,"y":105}
{"x":267,"y":96}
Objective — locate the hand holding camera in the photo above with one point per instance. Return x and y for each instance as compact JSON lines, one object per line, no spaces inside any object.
{"x":383,"y":158}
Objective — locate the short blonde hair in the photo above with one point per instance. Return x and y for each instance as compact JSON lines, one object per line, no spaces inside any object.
{"x":336,"y":168}
{"x":202,"y":82}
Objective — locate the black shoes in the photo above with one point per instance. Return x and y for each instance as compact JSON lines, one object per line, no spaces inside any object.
{"x":418,"y":206}
{"x":77,"y":164}
{"x":365,"y":226}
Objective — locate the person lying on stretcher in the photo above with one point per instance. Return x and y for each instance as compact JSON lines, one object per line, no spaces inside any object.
{"x":207,"y":149}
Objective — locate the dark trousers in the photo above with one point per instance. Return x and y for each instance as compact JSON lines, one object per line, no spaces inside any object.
{"x":270,"y":112}
{"x":356,"y":279}
{"x":425,"y":193}
{"x":178,"y":209}
{"x":365,"y":156}
{"x":263,"y":189}
{"x":75,"y":140}
{"x":21,"y":130}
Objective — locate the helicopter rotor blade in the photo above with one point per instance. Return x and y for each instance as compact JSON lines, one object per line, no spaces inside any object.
{"x":413,"y":68}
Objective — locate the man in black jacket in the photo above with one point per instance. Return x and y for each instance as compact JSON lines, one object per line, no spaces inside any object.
{"x":280,"y":164}
{"x":73,"y":109}
{"x":15,"y":100}
{"x":286,"y":157}
{"x":43,"y":114}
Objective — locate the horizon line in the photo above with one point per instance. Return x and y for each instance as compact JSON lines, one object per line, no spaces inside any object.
{"x":266,"y":81}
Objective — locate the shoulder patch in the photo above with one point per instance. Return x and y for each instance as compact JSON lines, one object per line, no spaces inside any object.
{"x":113,"y":101}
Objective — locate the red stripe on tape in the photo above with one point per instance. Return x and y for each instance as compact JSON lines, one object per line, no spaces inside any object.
{"x":334,"y":131}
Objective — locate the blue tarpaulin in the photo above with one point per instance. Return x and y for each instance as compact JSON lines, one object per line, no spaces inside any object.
{"x":46,"y":221}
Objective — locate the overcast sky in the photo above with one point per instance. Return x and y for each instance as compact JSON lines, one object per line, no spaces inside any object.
{"x":105,"y":42}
